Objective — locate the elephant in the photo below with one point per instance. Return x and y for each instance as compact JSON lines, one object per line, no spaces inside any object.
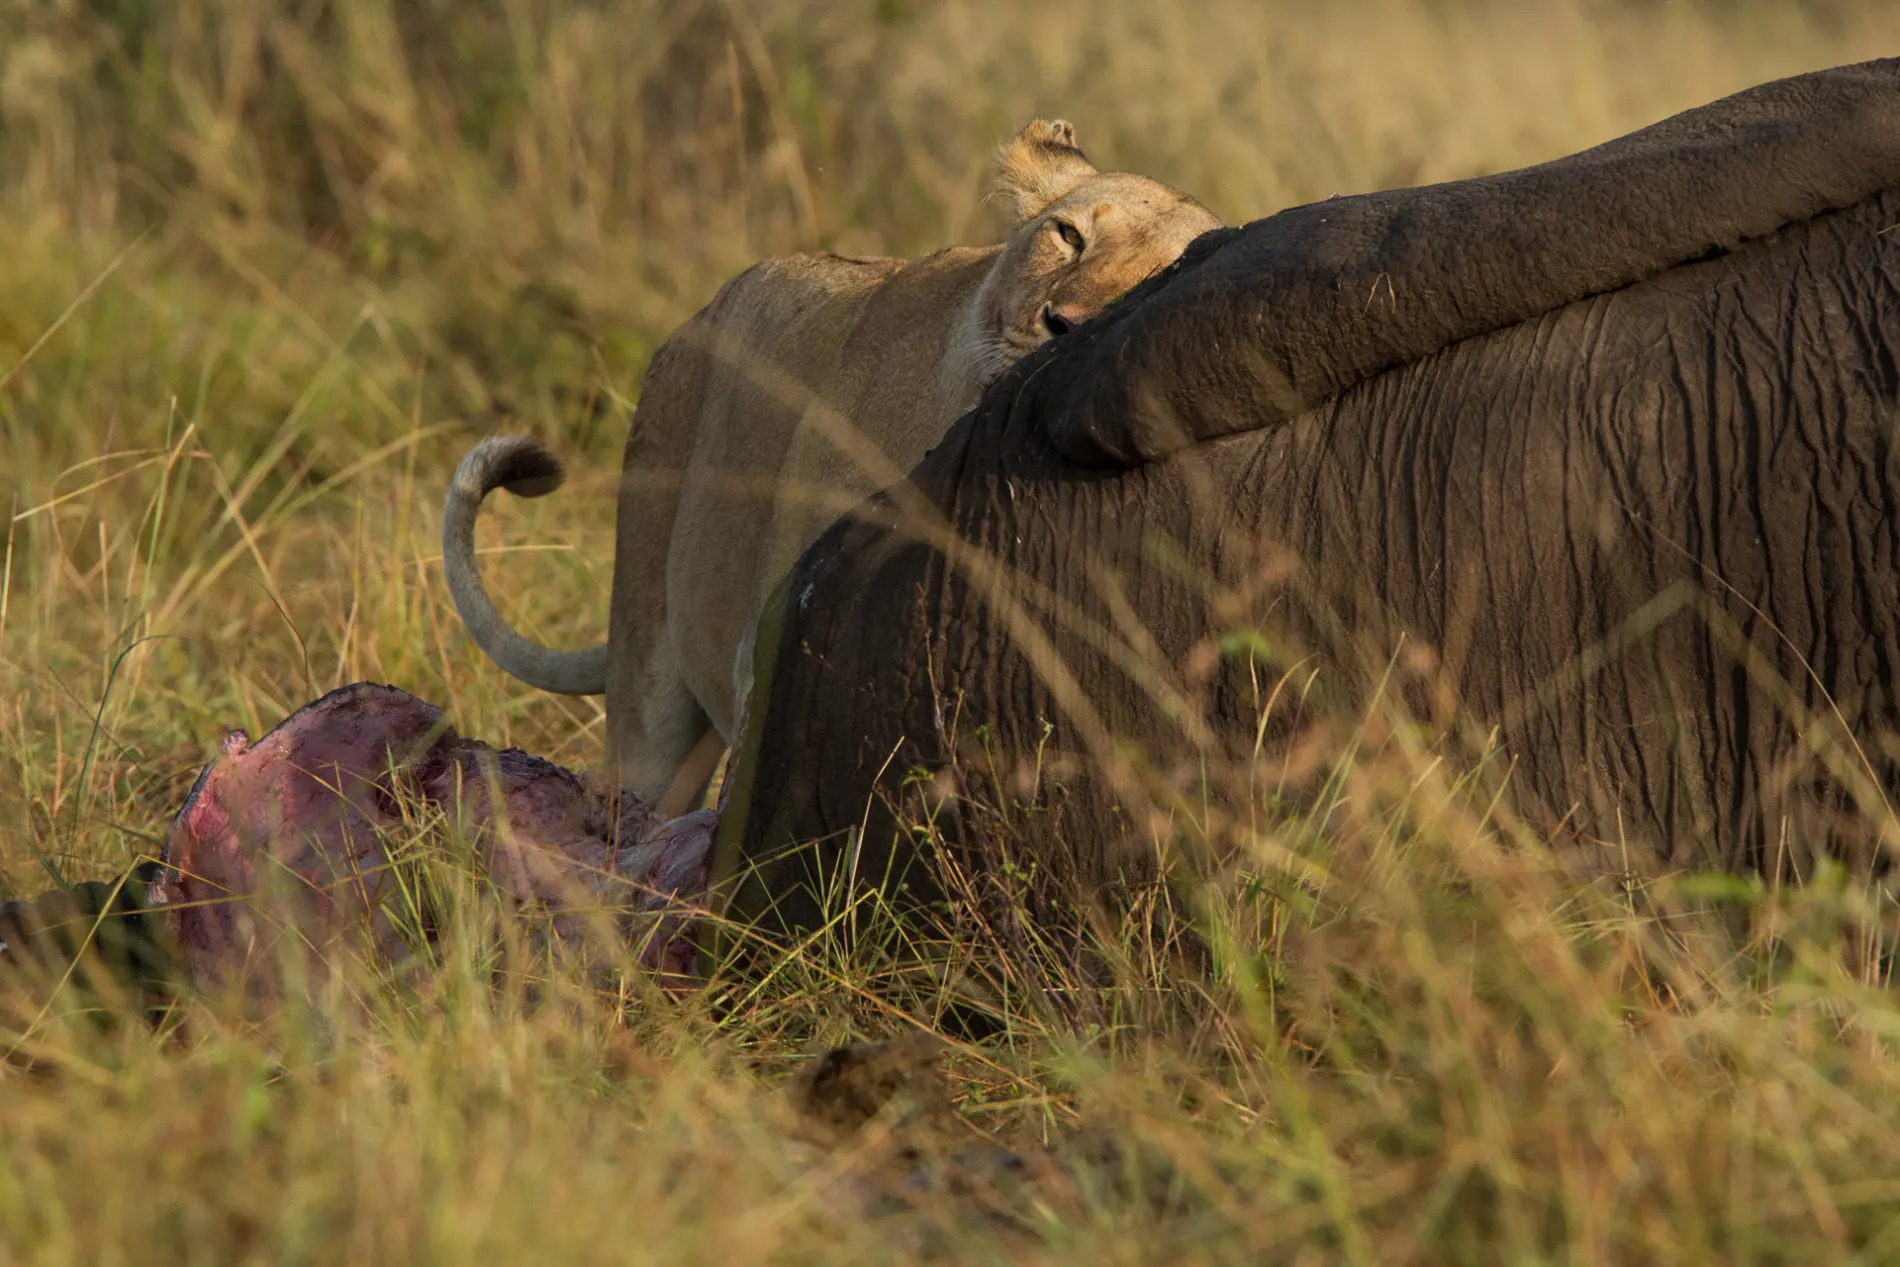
{"x":1607,"y":446}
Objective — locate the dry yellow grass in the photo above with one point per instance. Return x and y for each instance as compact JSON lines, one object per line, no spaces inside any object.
{"x":271,"y":265}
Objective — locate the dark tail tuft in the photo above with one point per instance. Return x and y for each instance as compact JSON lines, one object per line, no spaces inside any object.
{"x":522,"y":466}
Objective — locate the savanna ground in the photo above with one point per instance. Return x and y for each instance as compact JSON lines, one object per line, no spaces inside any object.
{"x":270,"y":266}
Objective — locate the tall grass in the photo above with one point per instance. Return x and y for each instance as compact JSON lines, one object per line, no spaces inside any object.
{"x":271,"y":265}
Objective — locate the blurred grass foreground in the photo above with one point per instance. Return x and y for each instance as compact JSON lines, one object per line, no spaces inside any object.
{"x":269,"y":265}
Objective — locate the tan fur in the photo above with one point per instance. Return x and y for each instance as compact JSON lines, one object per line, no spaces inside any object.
{"x":807,"y":384}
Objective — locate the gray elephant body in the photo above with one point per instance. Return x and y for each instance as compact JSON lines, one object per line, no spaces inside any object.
{"x":1651,"y":536}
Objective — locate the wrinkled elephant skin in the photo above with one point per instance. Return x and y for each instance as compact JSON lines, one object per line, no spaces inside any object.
{"x":1638,"y":500}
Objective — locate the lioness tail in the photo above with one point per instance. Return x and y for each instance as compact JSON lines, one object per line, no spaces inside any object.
{"x":526,"y":469}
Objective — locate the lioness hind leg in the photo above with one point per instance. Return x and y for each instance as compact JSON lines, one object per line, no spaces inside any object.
{"x":656,"y":743}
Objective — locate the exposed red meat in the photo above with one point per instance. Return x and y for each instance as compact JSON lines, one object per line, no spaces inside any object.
{"x":310,"y":812}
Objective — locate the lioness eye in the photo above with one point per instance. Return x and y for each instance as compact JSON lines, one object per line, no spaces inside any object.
{"x":1071,"y":235}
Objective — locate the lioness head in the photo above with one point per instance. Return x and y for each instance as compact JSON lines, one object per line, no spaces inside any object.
{"x":1082,"y":239}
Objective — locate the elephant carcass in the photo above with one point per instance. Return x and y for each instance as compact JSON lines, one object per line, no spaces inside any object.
{"x":1647,"y":528}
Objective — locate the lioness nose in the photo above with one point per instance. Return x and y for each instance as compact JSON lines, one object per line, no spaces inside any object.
{"x":1059,"y":321}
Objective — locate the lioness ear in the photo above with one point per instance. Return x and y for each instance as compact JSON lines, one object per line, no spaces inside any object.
{"x":1039,"y":165}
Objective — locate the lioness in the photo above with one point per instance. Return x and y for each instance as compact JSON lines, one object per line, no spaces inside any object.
{"x":808,"y":383}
